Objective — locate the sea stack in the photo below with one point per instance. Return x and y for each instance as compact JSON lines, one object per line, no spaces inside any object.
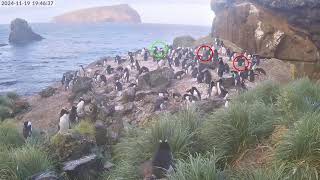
{"x":21,"y":32}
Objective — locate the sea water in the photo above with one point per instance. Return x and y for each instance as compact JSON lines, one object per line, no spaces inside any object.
{"x":28,"y":69}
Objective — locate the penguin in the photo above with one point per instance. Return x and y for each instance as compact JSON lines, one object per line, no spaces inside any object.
{"x":132,"y":85}
{"x":160,"y":104}
{"x":73,"y":117}
{"x":64,"y":123}
{"x":109,"y":69}
{"x":27,"y":129}
{"x":143,"y":70}
{"x":162,"y":161}
{"x":176,"y":95}
{"x":80,"y":107}
{"x":179,"y":75}
{"x":211,"y":85}
{"x":221,"y":68}
{"x":226,"y":68}
{"x":261,"y":71}
{"x":137,"y":65}
{"x":176,"y":62}
{"x":226,"y":104}
{"x":118,"y":59}
{"x":195,"y":92}
{"x":126,"y":74}
{"x":207,"y":77}
{"x":119,"y":69}
{"x":194,"y":72}
{"x":118,"y":86}
{"x":222,"y":92}
{"x":200,"y":77}
{"x":189,"y":98}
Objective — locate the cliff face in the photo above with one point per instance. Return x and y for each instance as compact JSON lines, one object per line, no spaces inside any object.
{"x":284,"y":29}
{"x":119,"y":13}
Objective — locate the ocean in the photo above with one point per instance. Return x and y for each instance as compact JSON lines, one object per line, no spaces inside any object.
{"x":29,"y":69}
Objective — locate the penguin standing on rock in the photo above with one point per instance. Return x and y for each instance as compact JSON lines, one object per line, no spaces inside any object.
{"x":160,"y":104}
{"x":222,"y":92}
{"x":73,"y":117}
{"x":162,"y":162}
{"x":118,"y":86}
{"x":126,"y":75}
{"x":211,"y":85}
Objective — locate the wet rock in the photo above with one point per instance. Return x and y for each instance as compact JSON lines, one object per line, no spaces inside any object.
{"x":48,"y":175}
{"x":48,"y":92}
{"x":21,"y":32}
{"x":157,"y":79}
{"x":183,"y":41}
{"x":87,"y":167}
{"x":71,"y":146}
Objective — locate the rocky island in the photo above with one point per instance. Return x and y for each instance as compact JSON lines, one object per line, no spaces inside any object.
{"x":122,"y":13}
{"x":22,"y":33}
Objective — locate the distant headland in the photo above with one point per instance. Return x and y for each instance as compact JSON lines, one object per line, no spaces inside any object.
{"x":122,"y":13}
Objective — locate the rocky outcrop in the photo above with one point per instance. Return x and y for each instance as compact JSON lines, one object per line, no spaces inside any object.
{"x":122,"y":13}
{"x":21,"y":32}
{"x":157,"y":79}
{"x":183,"y":41}
{"x":284,"y":29}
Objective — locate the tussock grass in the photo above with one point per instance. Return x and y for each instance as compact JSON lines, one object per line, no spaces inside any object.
{"x":231,"y":131}
{"x":266,"y":92}
{"x":9,"y":135}
{"x":266,"y":173}
{"x":197,"y":167}
{"x":299,"y":148}
{"x":297,"y":98}
{"x":140,"y":145}
{"x":85,"y":128}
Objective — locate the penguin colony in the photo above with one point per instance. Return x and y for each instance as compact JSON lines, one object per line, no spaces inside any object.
{"x":185,"y":63}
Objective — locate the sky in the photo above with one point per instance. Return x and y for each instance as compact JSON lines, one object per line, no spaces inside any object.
{"x":190,"y":12}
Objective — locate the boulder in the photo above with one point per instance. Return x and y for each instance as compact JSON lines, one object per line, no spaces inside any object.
{"x":208,"y":106}
{"x":82,"y":85}
{"x":157,"y":79}
{"x":86,"y":167}
{"x":21,"y":32}
{"x":48,"y":175}
{"x":183,"y":41}
{"x":47,"y":92}
{"x":128,"y":95}
{"x":270,"y":28}
{"x":71,"y":146}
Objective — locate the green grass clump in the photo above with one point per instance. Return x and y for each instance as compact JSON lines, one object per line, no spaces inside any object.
{"x":296,"y":99}
{"x":267,"y":173}
{"x":230,"y":131}
{"x":299,"y":148}
{"x":266,"y":92}
{"x":139,"y":145}
{"x":197,"y":167}
{"x":9,"y":135}
{"x":85,"y":128}
{"x":23,"y":162}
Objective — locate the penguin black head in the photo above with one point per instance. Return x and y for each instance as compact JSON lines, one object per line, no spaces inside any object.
{"x":25,"y":124}
{"x":63,"y":112}
{"x":164,"y":145}
{"x":81,"y":99}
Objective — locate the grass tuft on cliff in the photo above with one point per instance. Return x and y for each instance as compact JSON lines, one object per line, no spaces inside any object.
{"x":9,"y":135}
{"x":139,"y":145}
{"x":197,"y":167}
{"x":231,"y":131}
{"x":85,"y":128}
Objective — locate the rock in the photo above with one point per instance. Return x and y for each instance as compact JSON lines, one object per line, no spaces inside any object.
{"x":84,"y":168}
{"x":208,"y":106}
{"x":21,"y":32}
{"x":127,"y":109}
{"x":47,"y":92}
{"x":100,"y":133}
{"x":71,"y":146}
{"x":108,"y":166}
{"x":267,"y":29}
{"x":128,"y":95}
{"x":82,"y":85}
{"x":157,"y":79}
{"x":122,"y":13}
{"x":140,"y":95}
{"x":183,"y":41}
{"x":20,"y":106}
{"x":2,"y":44}
{"x":48,"y":175}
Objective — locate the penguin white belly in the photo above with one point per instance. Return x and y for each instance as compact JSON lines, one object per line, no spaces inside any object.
{"x":64,"y":124}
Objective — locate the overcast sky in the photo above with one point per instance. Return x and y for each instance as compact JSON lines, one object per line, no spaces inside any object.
{"x":191,"y":12}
